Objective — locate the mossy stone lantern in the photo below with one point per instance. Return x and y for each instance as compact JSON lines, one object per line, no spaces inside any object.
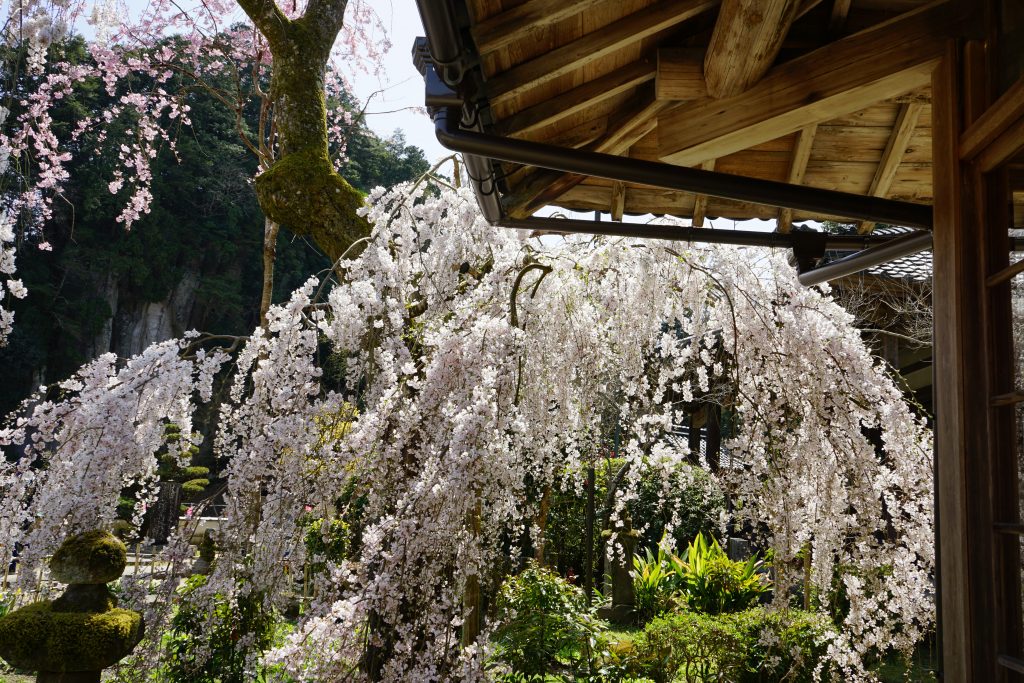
{"x":73,"y":638}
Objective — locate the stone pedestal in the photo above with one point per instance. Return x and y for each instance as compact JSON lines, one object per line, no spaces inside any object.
{"x":623,"y":607}
{"x":73,"y":638}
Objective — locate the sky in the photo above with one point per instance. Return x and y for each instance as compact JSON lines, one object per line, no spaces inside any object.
{"x":400,"y":84}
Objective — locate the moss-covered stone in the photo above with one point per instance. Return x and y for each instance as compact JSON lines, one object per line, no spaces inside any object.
{"x":37,"y":638}
{"x":92,"y":557}
{"x":86,"y":597}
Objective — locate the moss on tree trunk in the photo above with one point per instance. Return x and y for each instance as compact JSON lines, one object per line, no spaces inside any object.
{"x":301,"y":190}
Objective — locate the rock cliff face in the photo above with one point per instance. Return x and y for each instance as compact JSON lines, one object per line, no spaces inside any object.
{"x":134,"y":326}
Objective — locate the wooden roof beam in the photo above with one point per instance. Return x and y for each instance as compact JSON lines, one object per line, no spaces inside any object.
{"x":680,"y":74}
{"x":700,"y":202}
{"x":884,"y":61}
{"x":837,"y":21}
{"x":797,"y":170}
{"x":578,"y":99}
{"x":745,"y":42}
{"x":517,"y":23}
{"x":544,"y":186}
{"x":895,"y":148}
{"x":592,"y":47}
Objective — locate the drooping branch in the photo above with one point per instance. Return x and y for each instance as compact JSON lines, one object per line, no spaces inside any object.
{"x":268,"y":18}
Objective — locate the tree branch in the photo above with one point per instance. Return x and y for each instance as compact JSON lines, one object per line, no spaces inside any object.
{"x":269,"y":19}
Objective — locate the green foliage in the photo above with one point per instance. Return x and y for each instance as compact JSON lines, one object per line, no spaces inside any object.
{"x":545,"y":627}
{"x":202,"y":646}
{"x":782,"y":645}
{"x":326,"y":542}
{"x":753,"y":646}
{"x":704,"y":579}
{"x":712,"y":583}
{"x":690,"y":647}
{"x":657,"y":579}
{"x":693,"y":495}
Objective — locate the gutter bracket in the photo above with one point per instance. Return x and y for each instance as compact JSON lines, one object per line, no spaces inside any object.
{"x":808,"y":249}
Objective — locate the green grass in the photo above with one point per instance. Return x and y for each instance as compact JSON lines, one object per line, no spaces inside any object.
{"x":623,"y":633}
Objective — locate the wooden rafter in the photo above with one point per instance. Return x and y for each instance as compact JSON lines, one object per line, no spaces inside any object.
{"x":797,"y":169}
{"x":881,"y":62}
{"x":543,"y":186}
{"x":593,"y":47}
{"x":578,"y":99}
{"x":906,"y":121}
{"x":837,"y":22}
{"x":700,"y":202}
{"x":745,"y":42}
{"x":517,"y":23}
{"x":618,"y":206}
{"x":680,"y":74}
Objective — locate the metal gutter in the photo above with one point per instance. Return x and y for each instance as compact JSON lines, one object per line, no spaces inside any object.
{"x":904,"y":245}
{"x":658,"y":174}
{"x":747,"y":238}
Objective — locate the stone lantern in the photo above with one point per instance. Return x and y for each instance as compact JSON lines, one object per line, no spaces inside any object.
{"x":73,"y":638}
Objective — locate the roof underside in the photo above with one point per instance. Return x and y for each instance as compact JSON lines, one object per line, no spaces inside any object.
{"x":832,"y":94}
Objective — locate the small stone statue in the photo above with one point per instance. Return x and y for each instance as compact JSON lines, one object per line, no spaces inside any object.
{"x":207,"y":554}
{"x":73,"y":638}
{"x":623,"y":605}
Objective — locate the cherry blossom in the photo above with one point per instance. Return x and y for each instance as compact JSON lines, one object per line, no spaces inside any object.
{"x":477,"y":367}
{"x":147,"y":59}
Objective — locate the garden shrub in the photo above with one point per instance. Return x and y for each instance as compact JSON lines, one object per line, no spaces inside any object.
{"x":704,"y":579}
{"x":326,"y":543}
{"x":752,"y":646}
{"x":712,"y":583}
{"x":657,"y":579}
{"x":545,"y":627}
{"x":782,"y":646}
{"x":694,"y":496}
{"x":203,"y":647}
{"x":688,"y":646}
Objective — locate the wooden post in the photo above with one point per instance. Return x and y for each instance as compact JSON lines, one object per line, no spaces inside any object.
{"x":713,"y":451}
{"x":979,"y":580}
{"x":588,"y":535}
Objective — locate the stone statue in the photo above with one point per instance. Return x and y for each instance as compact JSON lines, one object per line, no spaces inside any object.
{"x":207,"y":554}
{"x":73,"y":638}
{"x":623,"y":603}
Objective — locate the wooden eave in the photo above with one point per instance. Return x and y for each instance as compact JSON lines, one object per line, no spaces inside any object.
{"x":830,"y":94}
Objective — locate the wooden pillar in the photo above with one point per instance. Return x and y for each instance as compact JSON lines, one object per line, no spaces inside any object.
{"x":979,"y":579}
{"x":713,"y":448}
{"x":693,"y":439}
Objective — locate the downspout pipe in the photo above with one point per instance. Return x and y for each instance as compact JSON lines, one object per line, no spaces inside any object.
{"x":446,"y":48}
{"x":657,"y":174}
{"x":904,"y":245}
